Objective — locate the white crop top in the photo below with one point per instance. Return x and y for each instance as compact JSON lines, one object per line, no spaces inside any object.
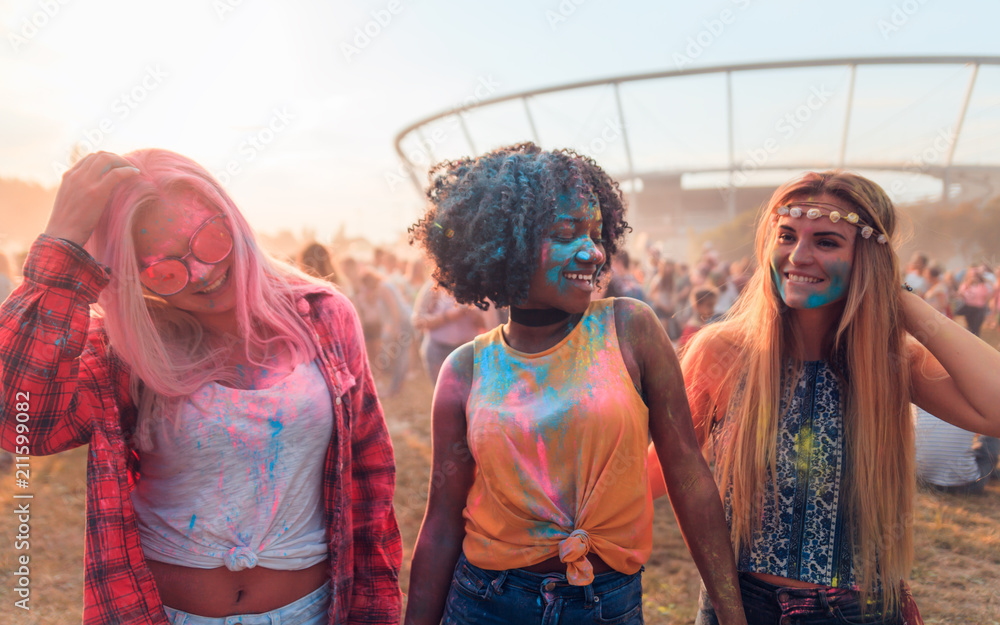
{"x":239,"y":481}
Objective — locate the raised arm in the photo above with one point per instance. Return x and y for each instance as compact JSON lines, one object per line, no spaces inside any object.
{"x":53,"y":370}
{"x":692,"y":491}
{"x":955,"y":375}
{"x":452,"y":473}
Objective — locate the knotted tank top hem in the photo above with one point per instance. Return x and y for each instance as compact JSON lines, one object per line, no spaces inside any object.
{"x":559,"y":439}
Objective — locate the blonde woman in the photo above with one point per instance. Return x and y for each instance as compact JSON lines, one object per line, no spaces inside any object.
{"x":805,"y":391}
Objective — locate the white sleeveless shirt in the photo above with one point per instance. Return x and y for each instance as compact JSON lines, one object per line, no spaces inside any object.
{"x":238,"y":482}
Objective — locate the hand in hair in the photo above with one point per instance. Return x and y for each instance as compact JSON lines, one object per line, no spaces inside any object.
{"x":84,"y":193}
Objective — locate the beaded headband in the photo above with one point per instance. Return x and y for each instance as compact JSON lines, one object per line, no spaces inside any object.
{"x":815,"y":210}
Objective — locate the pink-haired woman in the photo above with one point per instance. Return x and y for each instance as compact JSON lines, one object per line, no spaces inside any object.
{"x":239,"y":462}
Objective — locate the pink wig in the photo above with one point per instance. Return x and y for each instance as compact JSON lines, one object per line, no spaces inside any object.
{"x":163,"y":345}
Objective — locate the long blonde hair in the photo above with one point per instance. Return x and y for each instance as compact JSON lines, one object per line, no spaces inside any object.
{"x":868,"y":344}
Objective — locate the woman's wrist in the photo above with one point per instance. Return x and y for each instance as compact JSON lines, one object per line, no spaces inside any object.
{"x":910,"y":306}
{"x":75,"y":237}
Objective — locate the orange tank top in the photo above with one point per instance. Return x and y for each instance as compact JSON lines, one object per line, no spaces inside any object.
{"x":559,"y":438}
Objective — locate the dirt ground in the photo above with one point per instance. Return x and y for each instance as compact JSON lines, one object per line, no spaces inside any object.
{"x":956,"y":577}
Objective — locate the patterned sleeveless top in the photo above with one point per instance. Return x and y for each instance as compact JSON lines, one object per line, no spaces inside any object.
{"x":805,"y":534}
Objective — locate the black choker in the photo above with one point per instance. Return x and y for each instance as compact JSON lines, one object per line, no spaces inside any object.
{"x":536,"y":317}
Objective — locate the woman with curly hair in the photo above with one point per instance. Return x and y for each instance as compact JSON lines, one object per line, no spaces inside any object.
{"x":805,"y":389}
{"x":240,"y":468}
{"x":539,"y":508}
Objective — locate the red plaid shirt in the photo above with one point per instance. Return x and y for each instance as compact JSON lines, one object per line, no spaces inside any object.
{"x":55,"y":358}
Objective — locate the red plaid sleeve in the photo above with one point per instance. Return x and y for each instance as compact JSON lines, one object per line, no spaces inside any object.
{"x":377,"y":546}
{"x":43,"y":331}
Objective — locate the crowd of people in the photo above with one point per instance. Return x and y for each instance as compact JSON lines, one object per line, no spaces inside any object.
{"x":971,"y":293}
{"x":240,"y":467}
{"x":403,"y":312}
{"x":411,"y":318}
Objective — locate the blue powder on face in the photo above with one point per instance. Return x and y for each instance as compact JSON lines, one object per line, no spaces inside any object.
{"x":552,"y":277}
{"x":776,"y":277}
{"x":838,"y":273}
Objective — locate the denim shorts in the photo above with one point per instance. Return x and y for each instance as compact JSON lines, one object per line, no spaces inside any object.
{"x":309,"y":610}
{"x":767,"y":604}
{"x":481,"y":597}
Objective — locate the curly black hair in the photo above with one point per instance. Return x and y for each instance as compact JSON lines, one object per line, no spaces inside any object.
{"x":488,"y":216}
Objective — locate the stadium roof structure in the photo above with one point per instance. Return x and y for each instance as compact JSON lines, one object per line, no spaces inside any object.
{"x":694,"y":146}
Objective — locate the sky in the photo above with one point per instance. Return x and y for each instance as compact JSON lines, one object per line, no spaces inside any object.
{"x":295,"y":105}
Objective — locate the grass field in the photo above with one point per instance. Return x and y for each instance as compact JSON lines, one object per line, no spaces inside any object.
{"x":956,"y":577}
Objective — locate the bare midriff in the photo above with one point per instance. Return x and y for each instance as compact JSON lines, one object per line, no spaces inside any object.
{"x":220,"y":592}
{"x":785,"y":582}
{"x":555,"y":565}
